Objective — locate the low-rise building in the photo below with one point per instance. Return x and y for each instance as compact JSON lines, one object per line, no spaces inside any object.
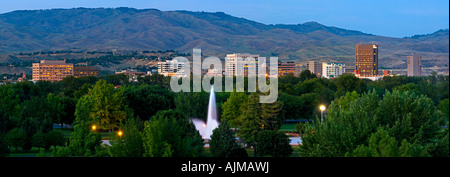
{"x":332,"y":70}
{"x":51,"y":70}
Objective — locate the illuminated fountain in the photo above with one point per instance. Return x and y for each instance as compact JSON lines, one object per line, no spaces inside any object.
{"x":206,"y":128}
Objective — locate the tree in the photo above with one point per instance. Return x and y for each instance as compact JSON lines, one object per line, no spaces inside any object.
{"x":146,"y":100}
{"x":83,"y":140}
{"x":55,"y":138}
{"x":8,"y":107}
{"x":257,"y":117}
{"x":107,"y":111}
{"x":404,"y":117}
{"x":192,"y":104}
{"x":344,"y":101}
{"x":223,"y":141}
{"x":383,"y":145}
{"x":274,"y":143}
{"x":56,"y":108}
{"x":155,"y":79}
{"x":231,"y":108}
{"x":17,"y":137}
{"x":130,"y":144}
{"x":38,"y":140}
{"x":252,"y":123}
{"x":170,"y":133}
{"x":291,"y":106}
{"x":348,"y":83}
{"x":306,"y":74}
{"x":4,"y":150}
{"x":444,"y":108}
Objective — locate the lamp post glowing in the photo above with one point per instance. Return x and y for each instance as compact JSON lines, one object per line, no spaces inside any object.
{"x":94,"y":127}
{"x":120,"y":133}
{"x":322,"y":108}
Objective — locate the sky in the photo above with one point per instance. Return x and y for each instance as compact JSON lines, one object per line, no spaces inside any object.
{"x":392,"y":18}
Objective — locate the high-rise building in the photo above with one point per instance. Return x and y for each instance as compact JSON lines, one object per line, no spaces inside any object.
{"x":171,"y":67}
{"x":81,"y":71}
{"x":366,"y":60}
{"x":241,"y":65}
{"x":315,"y":68}
{"x":286,"y":68}
{"x":333,"y":69}
{"x":414,"y":66}
{"x":52,"y":70}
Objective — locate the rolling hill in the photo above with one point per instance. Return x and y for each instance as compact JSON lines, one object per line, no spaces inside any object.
{"x":215,"y":33}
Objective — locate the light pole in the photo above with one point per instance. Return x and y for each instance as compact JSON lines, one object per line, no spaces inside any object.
{"x":322,"y":108}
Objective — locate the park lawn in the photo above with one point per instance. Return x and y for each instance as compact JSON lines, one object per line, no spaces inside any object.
{"x":288,"y":127}
{"x":33,"y":152}
{"x":66,"y":131}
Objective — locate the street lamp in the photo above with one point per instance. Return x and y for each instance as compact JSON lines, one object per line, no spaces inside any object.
{"x":120,"y":133}
{"x":94,"y":127}
{"x":322,"y":108}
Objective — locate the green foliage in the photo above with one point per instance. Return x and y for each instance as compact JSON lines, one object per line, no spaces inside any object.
{"x":4,"y":150}
{"x":409,"y":116}
{"x":8,"y":107}
{"x":107,"y":111}
{"x":259,"y":116}
{"x":223,"y":141}
{"x":383,"y":145}
{"x":55,"y":108}
{"x":273,"y":143}
{"x":130,"y":144}
{"x":192,"y":104}
{"x":306,"y":74}
{"x":344,"y":101}
{"x":252,"y":123}
{"x":155,"y":79}
{"x":16,"y":138}
{"x":444,"y":108}
{"x":146,"y":100}
{"x":55,"y":138}
{"x":38,"y":140}
{"x":231,"y":108}
{"x":83,"y":140}
{"x":403,"y":116}
{"x":348,"y":83}
{"x":291,"y":106}
{"x":170,"y":133}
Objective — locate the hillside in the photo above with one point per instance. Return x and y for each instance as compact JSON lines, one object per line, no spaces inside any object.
{"x":215,"y":33}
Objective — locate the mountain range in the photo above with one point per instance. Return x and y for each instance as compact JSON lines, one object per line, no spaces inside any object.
{"x":216,"y":33}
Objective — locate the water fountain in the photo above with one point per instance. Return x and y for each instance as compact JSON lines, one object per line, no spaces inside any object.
{"x":206,"y":128}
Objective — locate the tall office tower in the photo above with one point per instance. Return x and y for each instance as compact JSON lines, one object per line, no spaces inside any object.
{"x":414,"y":66}
{"x":54,"y":70}
{"x":241,"y":65}
{"x":366,"y":60}
{"x":315,"y":68}
{"x":333,"y":69}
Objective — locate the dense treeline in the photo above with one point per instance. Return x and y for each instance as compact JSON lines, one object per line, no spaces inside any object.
{"x":154,"y":120}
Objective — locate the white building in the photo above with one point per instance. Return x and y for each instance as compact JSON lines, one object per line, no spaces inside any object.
{"x":330,"y":70}
{"x":171,"y":67}
{"x":241,"y":65}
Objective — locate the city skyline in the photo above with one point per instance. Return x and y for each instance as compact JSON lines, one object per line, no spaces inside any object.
{"x":398,"y":18}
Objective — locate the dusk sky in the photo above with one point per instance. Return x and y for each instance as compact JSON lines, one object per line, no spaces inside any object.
{"x":393,"y":18}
